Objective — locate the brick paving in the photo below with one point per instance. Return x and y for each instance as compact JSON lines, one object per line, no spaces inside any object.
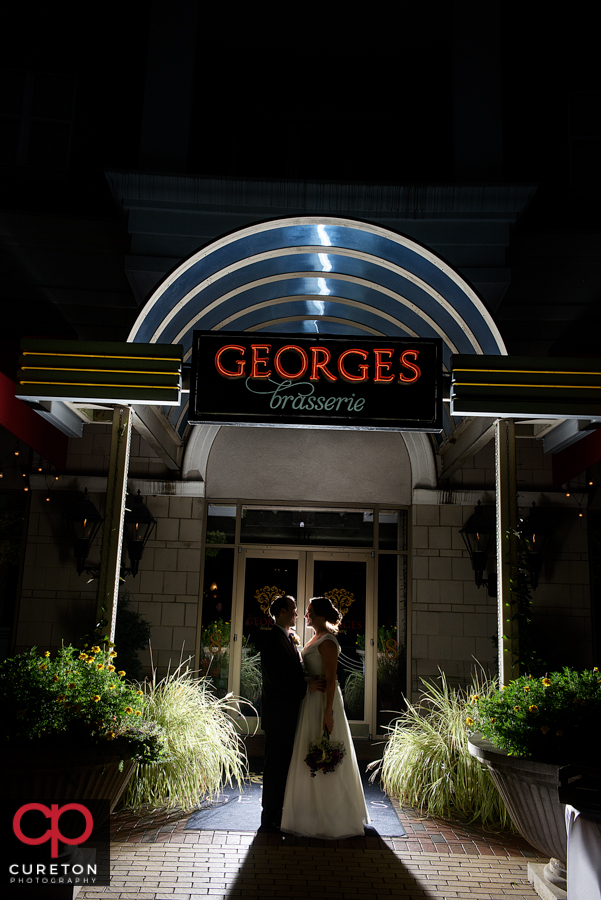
{"x":154,"y":858}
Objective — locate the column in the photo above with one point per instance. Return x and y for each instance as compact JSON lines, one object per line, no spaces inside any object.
{"x":112,"y":535}
{"x":507,"y":549}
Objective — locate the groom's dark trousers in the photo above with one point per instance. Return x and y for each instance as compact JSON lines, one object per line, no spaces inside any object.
{"x":283,"y":689}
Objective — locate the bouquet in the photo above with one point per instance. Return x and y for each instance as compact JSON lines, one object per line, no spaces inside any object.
{"x":325,"y":755}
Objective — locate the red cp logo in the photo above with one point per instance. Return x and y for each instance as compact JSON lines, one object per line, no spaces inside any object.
{"x":53,"y":812}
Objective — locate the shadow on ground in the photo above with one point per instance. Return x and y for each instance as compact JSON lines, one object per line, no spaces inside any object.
{"x":281,"y":866}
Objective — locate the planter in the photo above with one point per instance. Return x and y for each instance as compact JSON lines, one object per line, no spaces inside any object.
{"x":530,"y":792}
{"x":60,"y":777}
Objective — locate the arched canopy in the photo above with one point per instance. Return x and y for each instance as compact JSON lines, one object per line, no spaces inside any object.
{"x":317,"y":274}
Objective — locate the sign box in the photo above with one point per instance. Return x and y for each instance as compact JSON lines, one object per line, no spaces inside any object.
{"x":317,"y":381}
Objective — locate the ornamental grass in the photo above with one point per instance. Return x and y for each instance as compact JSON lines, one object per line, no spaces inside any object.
{"x":556,"y":718}
{"x":427,"y":764}
{"x":204,"y":748}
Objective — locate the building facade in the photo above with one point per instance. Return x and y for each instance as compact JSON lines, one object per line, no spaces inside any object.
{"x":468,"y":222}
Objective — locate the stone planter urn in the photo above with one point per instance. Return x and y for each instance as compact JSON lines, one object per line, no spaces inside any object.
{"x":529,"y":791}
{"x":60,"y":776}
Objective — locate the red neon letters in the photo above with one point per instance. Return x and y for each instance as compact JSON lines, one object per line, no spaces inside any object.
{"x":353,"y":365}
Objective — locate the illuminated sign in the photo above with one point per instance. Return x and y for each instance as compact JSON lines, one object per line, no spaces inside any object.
{"x":319,"y":381}
{"x":525,"y":386}
{"x":100,"y":372}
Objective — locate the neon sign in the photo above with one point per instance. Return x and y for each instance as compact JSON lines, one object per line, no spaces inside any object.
{"x":318,"y":381}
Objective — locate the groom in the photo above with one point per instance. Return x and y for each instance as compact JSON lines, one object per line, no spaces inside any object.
{"x":283,"y":689}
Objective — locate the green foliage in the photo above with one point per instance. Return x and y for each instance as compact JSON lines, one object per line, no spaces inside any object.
{"x":354,"y":691}
{"x":251,"y":677}
{"x":217,"y":635}
{"x":215,"y":537}
{"x":527,"y":656}
{"x":132,"y":633}
{"x":556,"y":718}
{"x":385,"y":634}
{"x":427,"y":764}
{"x":76,"y":698}
{"x":205,"y":751}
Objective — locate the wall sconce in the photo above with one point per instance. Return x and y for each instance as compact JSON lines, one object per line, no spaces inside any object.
{"x":139,"y":524}
{"x":536,"y":532}
{"x":479,"y":536}
{"x":83,"y":522}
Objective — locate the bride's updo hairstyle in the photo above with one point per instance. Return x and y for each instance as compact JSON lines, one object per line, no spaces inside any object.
{"x":324,"y":608}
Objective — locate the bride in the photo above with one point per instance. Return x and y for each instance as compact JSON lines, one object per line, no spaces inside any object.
{"x":330,"y":805}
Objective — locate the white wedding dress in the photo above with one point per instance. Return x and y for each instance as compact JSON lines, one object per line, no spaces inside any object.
{"x":331,"y":805}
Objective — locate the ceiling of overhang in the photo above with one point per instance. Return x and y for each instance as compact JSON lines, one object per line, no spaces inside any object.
{"x":315,"y":274}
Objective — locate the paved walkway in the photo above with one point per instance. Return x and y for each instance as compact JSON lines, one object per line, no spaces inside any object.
{"x":154,"y":858}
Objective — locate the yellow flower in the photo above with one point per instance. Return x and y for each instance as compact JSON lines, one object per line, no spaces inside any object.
{"x":111,"y":668}
{"x":121,"y":672}
{"x":47,"y":654}
{"x":111,"y":687}
{"x":55,"y":678}
{"x":546,"y":682}
{"x":83,"y":656}
{"x":517,"y":708}
{"x":140,"y":693}
{"x":595,"y":669}
{"x":110,"y":735}
{"x":138,"y":713}
{"x":475,"y":697}
{"x":43,"y":667}
{"x":533,"y":708}
{"x":96,"y":698}
{"x":95,"y":649}
{"x":71,"y":685}
{"x":61,"y":698}
{"x":113,"y":653}
{"x":99,"y":666}
{"x":128,"y":709}
{"x":544,"y":729}
{"x":493,"y":720}
{"x":469,"y":721}
{"x":526,"y":688}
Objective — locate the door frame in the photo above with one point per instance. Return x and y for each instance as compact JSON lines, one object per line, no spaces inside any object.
{"x":306,"y":559}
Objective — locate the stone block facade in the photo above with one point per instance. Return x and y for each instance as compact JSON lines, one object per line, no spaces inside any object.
{"x":452,"y":623}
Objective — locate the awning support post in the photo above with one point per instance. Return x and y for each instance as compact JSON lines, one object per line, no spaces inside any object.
{"x":112,"y":536}
{"x":507,"y":550}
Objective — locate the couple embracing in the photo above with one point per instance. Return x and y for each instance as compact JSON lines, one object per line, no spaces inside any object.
{"x":301,"y":698}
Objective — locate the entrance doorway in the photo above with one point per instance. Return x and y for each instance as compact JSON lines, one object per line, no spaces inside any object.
{"x":254,"y":553}
{"x":346,"y":579}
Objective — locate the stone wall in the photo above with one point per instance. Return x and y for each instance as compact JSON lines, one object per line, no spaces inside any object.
{"x":57,"y":605}
{"x":453,"y":623}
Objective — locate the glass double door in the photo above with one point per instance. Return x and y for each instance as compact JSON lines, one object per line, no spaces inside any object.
{"x":347,"y":580}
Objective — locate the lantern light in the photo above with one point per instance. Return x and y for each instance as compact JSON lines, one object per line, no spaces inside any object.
{"x":83,"y":522}
{"x":479,"y":535}
{"x":139,"y":524}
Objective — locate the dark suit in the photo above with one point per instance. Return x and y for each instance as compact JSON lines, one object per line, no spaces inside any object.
{"x":283,"y":689}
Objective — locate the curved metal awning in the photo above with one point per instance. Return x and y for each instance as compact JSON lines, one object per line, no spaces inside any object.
{"x":317,"y":274}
